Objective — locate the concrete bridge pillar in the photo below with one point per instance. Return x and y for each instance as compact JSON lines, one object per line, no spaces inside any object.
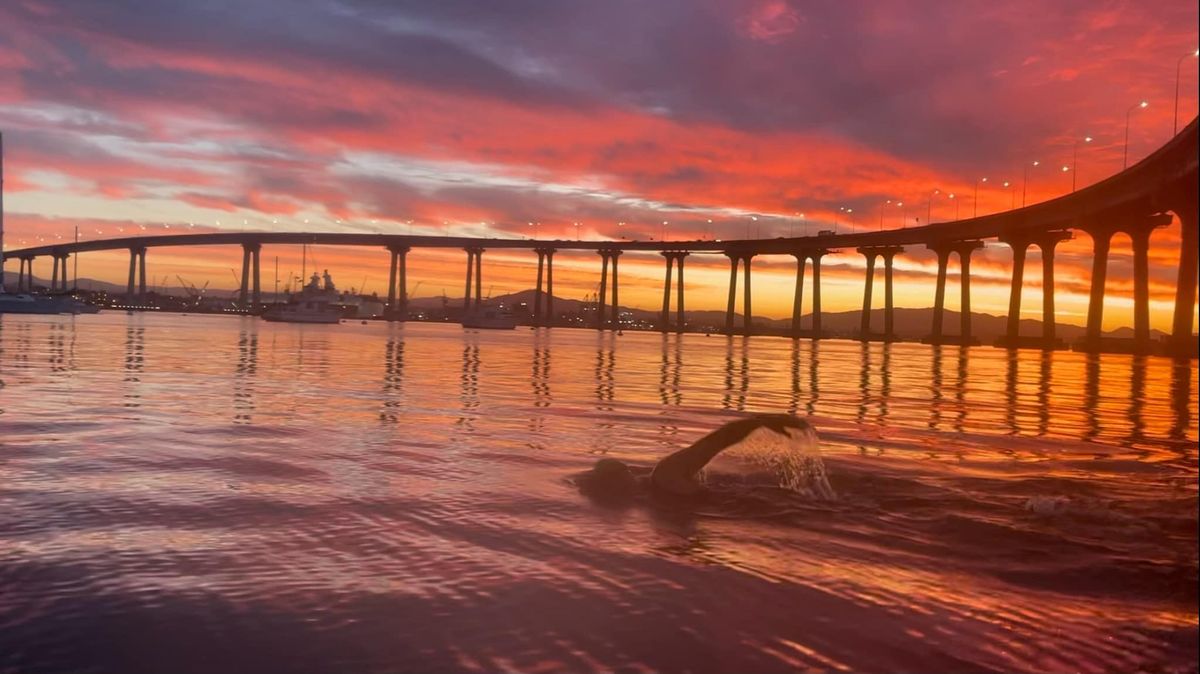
{"x":142,"y":272}
{"x":474,"y":278}
{"x":748,"y":314}
{"x":1019,"y":245}
{"x":1141,"y":286}
{"x":939,"y":295}
{"x":137,"y":259}
{"x":607,"y":255}
{"x":549,"y":319}
{"x":21,"y":275}
{"x":1047,"y":243}
{"x":256,"y":276}
{"x":1182,"y":341}
{"x":665,"y":320}
{"x":1101,"y":240}
{"x":816,"y":301}
{"x":798,"y":297}
{"x":734,"y":259}
{"x":63,"y":281}
{"x":680,"y":320}
{"x":602,"y":298}
{"x":537,"y":292}
{"x":544,"y":297}
{"x":54,"y":275}
{"x":888,"y":254}
{"x":964,"y":284}
{"x":864,"y":331}
{"x":478,"y":277}
{"x":616,"y":306}
{"x":393,"y":268}
{"x":889,"y":308}
{"x":251,"y":281}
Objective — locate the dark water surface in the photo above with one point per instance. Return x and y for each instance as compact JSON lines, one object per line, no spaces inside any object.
{"x":218,"y":494}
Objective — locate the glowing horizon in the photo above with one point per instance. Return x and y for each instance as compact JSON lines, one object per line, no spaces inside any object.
{"x":462,"y":121}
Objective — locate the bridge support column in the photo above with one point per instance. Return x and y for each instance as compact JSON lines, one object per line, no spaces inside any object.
{"x":543,"y":300}
{"x":1141,"y":286}
{"x":732,"y":305}
{"x":470,"y":274}
{"x":1185,"y":285}
{"x":391,"y":297}
{"x":478,"y":277}
{"x":602,"y":298}
{"x":133,"y":257}
{"x":939,"y":295}
{"x":1101,"y":239}
{"x":889,"y":313}
{"x":665,"y":320}
{"x":680,"y":320}
{"x":537,"y":292}
{"x":816,"y":301}
{"x":54,"y":274}
{"x":798,"y":296}
{"x":1048,"y":311}
{"x":142,"y":273}
{"x":964,"y":284}
{"x":748,"y":314}
{"x":63,"y":281}
{"x":864,"y":331}
{"x":256,"y":276}
{"x":616,"y":306}
{"x":401,"y":312}
{"x":1019,"y":247}
{"x":548,"y":319}
{"x":21,"y":274}
{"x":243,"y":289}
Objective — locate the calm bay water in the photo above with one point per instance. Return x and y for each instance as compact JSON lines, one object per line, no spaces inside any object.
{"x":219,"y":494}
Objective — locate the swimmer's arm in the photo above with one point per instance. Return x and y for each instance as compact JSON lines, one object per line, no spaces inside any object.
{"x":688,"y":461}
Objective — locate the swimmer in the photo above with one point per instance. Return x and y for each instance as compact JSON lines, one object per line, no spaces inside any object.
{"x":676,"y":475}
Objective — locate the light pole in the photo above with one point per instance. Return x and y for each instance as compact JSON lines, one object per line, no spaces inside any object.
{"x":621,"y":229}
{"x":753,"y":218}
{"x":1012,"y":195}
{"x":663,"y":236}
{"x":1025,"y":181}
{"x":975,"y":199}
{"x":1125,"y":160}
{"x":956,"y":202}
{"x":708,"y":229}
{"x":881,"y":213}
{"x":1175,"y":124}
{"x":1075,"y":159}
{"x":577,"y":231}
{"x":929,"y":207}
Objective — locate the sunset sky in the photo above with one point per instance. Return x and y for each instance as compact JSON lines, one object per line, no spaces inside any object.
{"x":477,"y":118}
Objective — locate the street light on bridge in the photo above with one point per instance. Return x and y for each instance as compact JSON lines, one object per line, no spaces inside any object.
{"x":1125,"y":160}
{"x":1075,"y":159}
{"x":929,"y":207}
{"x":1012,"y":195}
{"x":975,"y":199}
{"x":956,"y":203}
{"x":1025,"y":180}
{"x":1175,"y":124}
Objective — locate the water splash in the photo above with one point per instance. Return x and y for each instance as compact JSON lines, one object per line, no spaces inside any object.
{"x":792,"y":461}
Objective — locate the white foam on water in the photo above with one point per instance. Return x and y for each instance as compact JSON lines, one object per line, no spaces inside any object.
{"x":792,"y":461}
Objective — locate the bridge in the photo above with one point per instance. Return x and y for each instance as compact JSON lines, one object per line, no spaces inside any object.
{"x":1135,"y":201}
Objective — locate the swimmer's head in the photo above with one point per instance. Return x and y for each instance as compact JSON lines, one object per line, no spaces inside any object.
{"x":608,"y":480}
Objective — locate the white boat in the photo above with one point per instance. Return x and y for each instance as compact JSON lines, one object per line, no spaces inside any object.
{"x":489,"y":318}
{"x":313,"y":304}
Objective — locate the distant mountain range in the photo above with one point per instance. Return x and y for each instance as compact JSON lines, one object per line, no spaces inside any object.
{"x":909,"y":323}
